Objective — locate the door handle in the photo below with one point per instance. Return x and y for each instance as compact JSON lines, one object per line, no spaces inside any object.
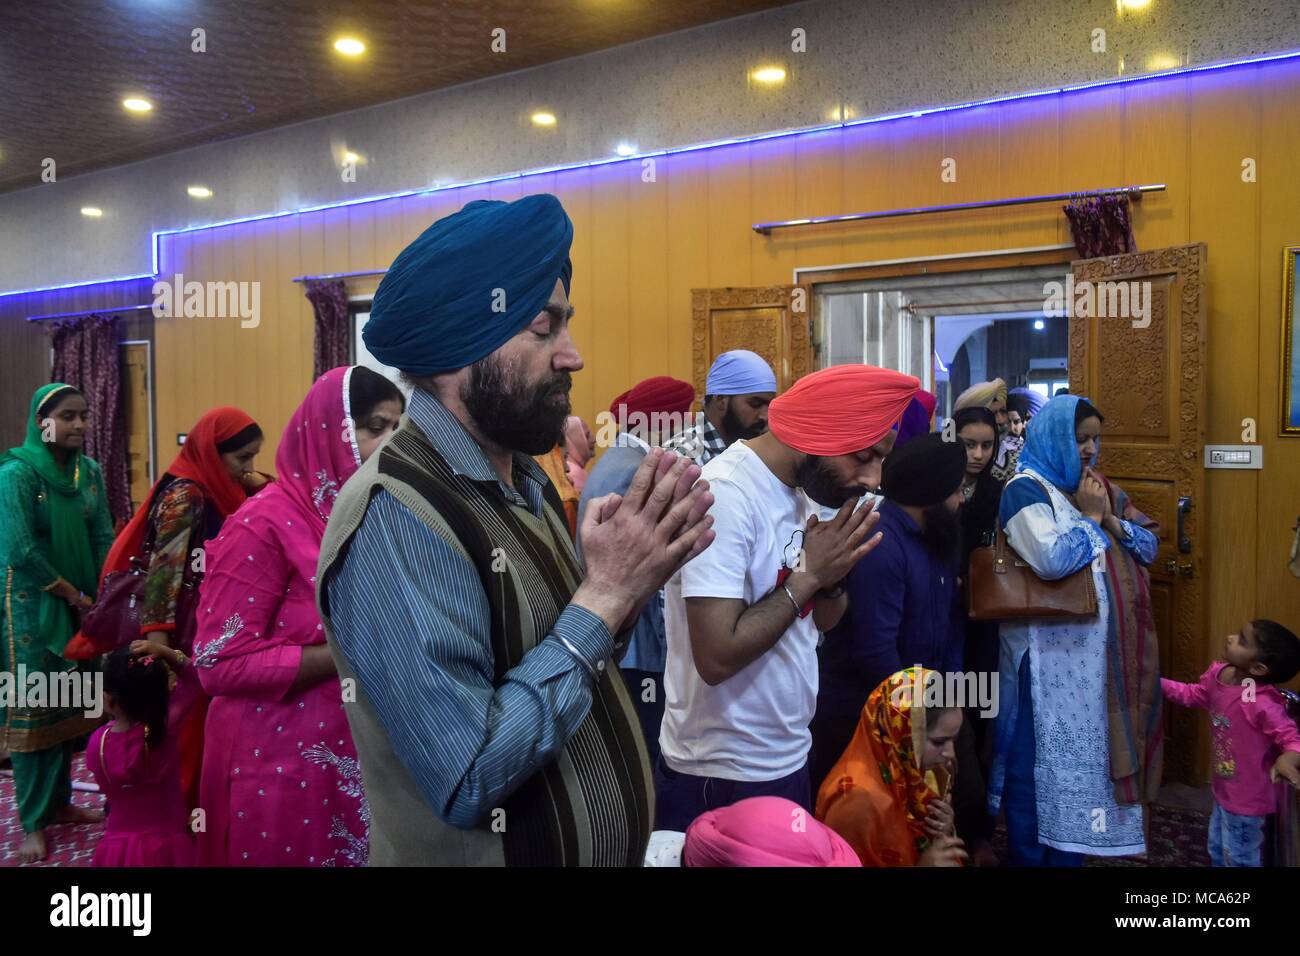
{"x":1184,"y":542}
{"x":1174,"y":569}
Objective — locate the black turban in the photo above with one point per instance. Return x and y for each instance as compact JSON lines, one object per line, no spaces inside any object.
{"x":925,"y":471}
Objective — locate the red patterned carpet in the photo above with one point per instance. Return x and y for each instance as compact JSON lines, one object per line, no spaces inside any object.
{"x":1177,"y":834}
{"x":69,"y":845}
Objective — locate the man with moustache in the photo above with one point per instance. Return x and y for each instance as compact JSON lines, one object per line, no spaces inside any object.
{"x":903,"y":608}
{"x":737,"y":392}
{"x":743,"y":617}
{"x":475,"y":652}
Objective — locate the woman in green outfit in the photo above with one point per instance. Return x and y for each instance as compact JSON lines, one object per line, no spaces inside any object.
{"x":55,"y":531}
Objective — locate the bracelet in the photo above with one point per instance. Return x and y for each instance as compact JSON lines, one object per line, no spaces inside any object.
{"x":790,"y":594}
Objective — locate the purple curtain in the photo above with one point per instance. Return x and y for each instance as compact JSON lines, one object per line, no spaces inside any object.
{"x":329,"y":300}
{"x":1101,"y":225}
{"x":86,"y":356}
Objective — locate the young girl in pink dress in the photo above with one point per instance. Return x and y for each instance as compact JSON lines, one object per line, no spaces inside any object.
{"x":281,"y":785}
{"x":136,"y":763}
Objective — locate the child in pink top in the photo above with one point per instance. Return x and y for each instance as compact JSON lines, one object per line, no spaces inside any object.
{"x":137,"y":765}
{"x":1249,"y":725}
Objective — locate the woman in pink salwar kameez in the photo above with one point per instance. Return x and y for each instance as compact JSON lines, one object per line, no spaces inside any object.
{"x":281,"y":785}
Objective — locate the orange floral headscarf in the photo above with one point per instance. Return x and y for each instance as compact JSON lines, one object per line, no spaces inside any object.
{"x":877,"y":796}
{"x":895,"y":714}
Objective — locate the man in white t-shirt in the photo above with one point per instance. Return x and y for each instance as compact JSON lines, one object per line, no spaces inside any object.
{"x":742,"y":619}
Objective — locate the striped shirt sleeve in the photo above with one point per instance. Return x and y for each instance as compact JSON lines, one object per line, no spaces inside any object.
{"x":1026,"y":514}
{"x":410,"y":616}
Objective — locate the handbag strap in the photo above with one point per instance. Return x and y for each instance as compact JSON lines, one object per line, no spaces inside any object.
{"x":1046,"y":490}
{"x":1000,"y":543}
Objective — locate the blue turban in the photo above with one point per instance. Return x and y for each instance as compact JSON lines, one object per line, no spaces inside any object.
{"x":739,"y":372}
{"x":469,"y":283}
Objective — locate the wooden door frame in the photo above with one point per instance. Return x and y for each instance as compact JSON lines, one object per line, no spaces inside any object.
{"x":1191,"y":597}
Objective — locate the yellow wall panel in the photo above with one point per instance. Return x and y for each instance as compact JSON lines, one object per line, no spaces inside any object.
{"x":648,"y":236}
{"x":640,"y":247}
{"x":608,"y":360}
{"x":1156,"y":149}
{"x":1029,"y":164}
{"x":1279,"y":219}
{"x":772,"y":178}
{"x":1223,"y":125}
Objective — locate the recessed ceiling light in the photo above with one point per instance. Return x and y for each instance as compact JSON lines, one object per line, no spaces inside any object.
{"x":200,"y":192}
{"x":769,"y":75}
{"x":625,"y":149}
{"x":1134,"y":4}
{"x":137,"y":104}
{"x":543,"y":119}
{"x":349,"y":46}
{"x":351,"y":157}
{"x":92,"y":212}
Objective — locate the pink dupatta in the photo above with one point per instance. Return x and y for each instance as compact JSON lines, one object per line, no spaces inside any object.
{"x":274,"y":540}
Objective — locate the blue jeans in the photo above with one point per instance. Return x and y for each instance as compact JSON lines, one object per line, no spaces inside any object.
{"x":681,"y":797}
{"x":1019,"y":798}
{"x":1235,"y":839}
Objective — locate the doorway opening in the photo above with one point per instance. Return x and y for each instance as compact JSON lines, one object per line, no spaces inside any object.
{"x":950,"y":329}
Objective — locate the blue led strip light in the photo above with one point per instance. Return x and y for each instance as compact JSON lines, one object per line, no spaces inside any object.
{"x":156,"y":237}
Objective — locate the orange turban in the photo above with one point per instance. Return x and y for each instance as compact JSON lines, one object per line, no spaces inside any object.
{"x":841,"y":410}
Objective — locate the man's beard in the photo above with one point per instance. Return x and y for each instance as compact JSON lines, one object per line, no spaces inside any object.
{"x":942,"y":531}
{"x":819,"y":483}
{"x":735,"y":431}
{"x":516,"y":416}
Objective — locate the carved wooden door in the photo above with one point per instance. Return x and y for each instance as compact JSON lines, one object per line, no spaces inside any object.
{"x":1143,"y":365}
{"x":769,"y":320}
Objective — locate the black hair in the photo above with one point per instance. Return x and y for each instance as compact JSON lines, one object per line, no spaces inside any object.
{"x":932,"y":714}
{"x":139,"y":686}
{"x":366,"y":389}
{"x":979,"y":515}
{"x":1020,"y":405}
{"x":55,"y":399}
{"x":1085,"y":410}
{"x":1279,"y":651}
{"x":241,"y":438}
{"x":976,"y":415}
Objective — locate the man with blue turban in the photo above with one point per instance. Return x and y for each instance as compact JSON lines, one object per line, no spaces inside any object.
{"x":488,"y":725}
{"x":737,"y":392}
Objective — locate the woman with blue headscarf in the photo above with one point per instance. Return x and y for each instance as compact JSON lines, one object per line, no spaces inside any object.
{"x":1079,"y":737}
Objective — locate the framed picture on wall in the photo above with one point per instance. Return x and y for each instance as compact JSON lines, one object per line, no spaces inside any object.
{"x":1290,"y":342}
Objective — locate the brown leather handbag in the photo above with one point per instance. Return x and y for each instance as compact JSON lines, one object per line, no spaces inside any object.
{"x":1004,"y":587}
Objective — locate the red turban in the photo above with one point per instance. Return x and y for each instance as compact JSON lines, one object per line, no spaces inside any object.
{"x":841,"y":410}
{"x":661,"y":394}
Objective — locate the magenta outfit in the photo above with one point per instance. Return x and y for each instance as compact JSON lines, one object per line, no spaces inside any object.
{"x":1247,"y":737}
{"x":147,"y":824}
{"x":281,"y":783}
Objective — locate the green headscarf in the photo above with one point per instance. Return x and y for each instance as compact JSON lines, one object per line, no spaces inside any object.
{"x":70,"y":552}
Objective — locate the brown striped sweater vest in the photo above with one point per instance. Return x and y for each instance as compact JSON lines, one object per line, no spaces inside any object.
{"x":593,"y":804}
